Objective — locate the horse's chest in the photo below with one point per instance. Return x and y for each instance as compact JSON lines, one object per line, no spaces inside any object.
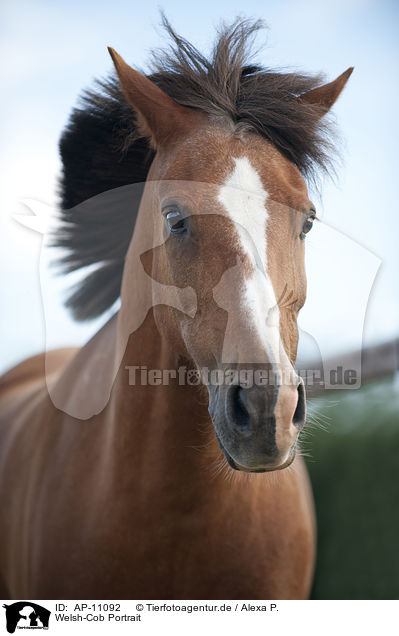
{"x":148,"y":549}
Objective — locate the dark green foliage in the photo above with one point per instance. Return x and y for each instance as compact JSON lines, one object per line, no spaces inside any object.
{"x":354,"y":468}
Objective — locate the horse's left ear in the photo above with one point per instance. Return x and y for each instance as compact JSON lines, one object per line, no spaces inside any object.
{"x":325,"y":96}
{"x":159,"y":117}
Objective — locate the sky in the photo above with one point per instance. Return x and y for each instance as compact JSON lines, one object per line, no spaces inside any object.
{"x":51,"y":51}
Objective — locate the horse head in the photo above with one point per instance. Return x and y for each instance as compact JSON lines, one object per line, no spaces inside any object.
{"x":229,"y":211}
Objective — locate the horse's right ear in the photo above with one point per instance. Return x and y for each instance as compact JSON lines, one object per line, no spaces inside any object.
{"x":159,"y":117}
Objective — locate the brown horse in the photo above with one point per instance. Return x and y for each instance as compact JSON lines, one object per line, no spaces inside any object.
{"x":115,"y":486}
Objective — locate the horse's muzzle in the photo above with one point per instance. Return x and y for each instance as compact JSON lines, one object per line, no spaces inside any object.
{"x":257,"y":427}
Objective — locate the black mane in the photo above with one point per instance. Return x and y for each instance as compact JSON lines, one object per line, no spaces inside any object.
{"x":101,"y":148}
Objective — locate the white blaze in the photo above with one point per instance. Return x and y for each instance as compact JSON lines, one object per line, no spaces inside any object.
{"x":244,"y":198}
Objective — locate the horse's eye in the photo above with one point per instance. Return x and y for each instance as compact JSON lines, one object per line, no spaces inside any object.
{"x":307,"y":226}
{"x":176,"y":222}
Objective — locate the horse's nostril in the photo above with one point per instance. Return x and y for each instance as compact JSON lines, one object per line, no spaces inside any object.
{"x":237,"y":408}
{"x":300,"y":411}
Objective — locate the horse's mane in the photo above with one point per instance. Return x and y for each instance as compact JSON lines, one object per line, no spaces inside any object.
{"x":101,"y":148}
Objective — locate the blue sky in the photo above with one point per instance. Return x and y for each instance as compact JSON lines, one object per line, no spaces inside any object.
{"x":50,"y":51}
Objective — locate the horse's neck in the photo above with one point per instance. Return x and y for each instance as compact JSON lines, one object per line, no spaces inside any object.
{"x":166,"y":423}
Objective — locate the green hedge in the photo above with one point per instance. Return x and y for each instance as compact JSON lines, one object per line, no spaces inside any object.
{"x":354,"y":468}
